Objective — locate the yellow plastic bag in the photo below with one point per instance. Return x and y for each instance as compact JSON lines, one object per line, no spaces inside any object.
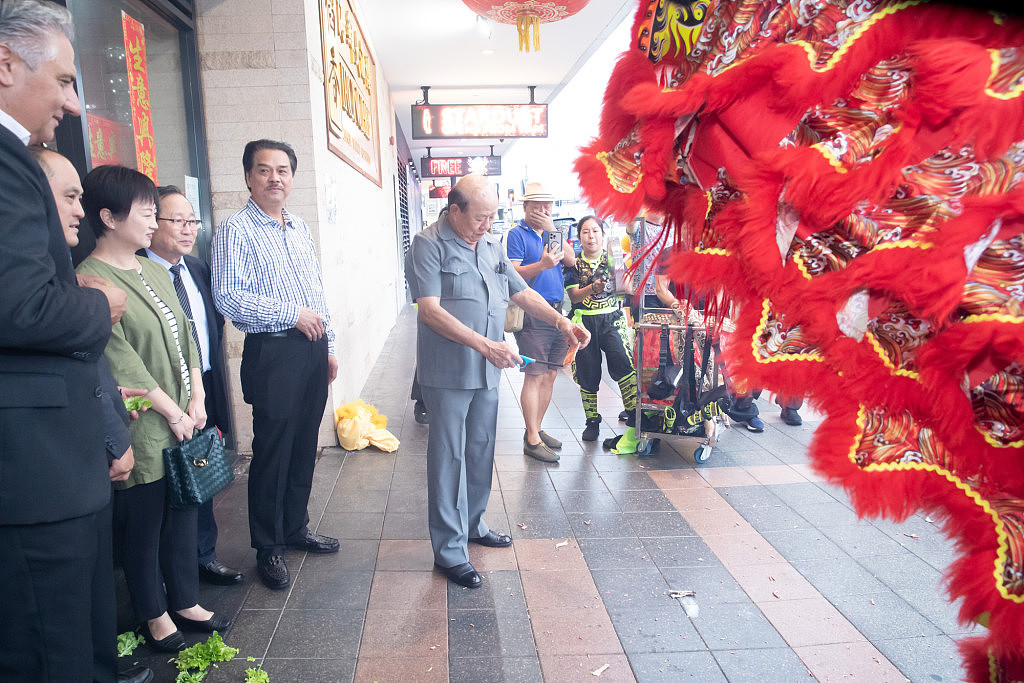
{"x":384,"y":440}
{"x":360,"y":425}
{"x":351,"y":434}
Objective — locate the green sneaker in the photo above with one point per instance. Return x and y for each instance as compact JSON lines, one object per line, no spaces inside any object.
{"x":627,"y":443}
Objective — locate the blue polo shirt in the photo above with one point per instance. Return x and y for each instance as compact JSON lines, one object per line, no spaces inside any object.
{"x":525,"y":245}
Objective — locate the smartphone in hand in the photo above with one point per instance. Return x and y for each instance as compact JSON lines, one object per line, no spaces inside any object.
{"x":553,"y":240}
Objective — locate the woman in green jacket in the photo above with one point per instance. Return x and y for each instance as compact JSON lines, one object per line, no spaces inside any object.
{"x":150,"y":348}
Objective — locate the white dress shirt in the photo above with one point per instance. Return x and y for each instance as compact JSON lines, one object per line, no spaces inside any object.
{"x":195,"y":301}
{"x":8,"y":122}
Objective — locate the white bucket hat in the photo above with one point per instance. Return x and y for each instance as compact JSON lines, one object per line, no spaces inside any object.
{"x":536,"y":192}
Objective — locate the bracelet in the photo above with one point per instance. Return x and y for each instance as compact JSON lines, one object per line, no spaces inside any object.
{"x":178,"y":421}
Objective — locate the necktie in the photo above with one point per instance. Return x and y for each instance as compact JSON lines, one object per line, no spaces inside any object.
{"x":179,"y":288}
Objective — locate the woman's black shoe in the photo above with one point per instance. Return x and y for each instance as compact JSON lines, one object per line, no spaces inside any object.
{"x":172,"y":643}
{"x":214,"y":623}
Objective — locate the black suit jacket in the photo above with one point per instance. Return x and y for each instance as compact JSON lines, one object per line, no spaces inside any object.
{"x":53,"y":463}
{"x":218,"y":409}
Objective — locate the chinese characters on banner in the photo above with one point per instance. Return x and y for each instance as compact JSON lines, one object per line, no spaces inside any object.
{"x":104,"y":140}
{"x":138,"y":87}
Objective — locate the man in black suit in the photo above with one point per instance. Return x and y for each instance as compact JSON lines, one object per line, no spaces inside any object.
{"x":171,"y":248}
{"x":56,"y":576}
{"x":67,"y":192}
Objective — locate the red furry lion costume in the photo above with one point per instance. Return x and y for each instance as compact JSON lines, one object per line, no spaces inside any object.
{"x":852,"y":175}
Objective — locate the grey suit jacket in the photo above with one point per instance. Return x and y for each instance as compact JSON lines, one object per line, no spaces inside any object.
{"x":474,"y":285}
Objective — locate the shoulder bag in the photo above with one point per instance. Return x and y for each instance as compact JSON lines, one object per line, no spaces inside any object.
{"x":514,"y":315}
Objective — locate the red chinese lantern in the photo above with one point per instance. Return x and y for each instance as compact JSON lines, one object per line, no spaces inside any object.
{"x":526,"y":14}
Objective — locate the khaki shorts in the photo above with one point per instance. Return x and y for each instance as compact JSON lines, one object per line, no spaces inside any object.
{"x":543,"y":342}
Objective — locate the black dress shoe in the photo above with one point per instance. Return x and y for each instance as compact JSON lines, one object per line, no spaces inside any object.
{"x":273,"y":571}
{"x":172,"y":643}
{"x":315,"y":543}
{"x":136,"y":674}
{"x":493,"y":540}
{"x":419,"y":412}
{"x":216,"y":573}
{"x":462,"y":574}
{"x":214,"y":623}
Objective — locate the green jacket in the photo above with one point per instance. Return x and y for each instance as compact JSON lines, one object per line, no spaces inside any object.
{"x":143,"y":355}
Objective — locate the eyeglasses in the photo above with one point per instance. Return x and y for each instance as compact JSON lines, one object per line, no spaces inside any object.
{"x":179,"y":222}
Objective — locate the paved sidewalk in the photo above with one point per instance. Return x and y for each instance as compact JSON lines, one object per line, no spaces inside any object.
{"x":790,"y":586}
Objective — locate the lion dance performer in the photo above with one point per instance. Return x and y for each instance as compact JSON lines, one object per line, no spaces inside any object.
{"x":851,"y":176}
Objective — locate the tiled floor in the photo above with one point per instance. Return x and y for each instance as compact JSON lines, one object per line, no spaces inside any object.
{"x":790,"y":586}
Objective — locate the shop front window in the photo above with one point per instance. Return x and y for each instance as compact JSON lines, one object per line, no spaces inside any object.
{"x":132,"y":89}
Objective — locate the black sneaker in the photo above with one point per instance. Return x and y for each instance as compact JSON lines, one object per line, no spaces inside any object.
{"x":419,"y":412}
{"x":592,"y":429}
{"x":273,"y":571}
{"x":791,"y":417}
{"x":624,"y":415}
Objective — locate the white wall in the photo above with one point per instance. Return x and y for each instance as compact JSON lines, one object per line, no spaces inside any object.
{"x":262,"y":77}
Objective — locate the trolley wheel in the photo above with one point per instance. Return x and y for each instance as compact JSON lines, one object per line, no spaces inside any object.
{"x":644,"y":447}
{"x":702,"y":454}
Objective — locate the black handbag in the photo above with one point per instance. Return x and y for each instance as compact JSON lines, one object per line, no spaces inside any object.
{"x":197,"y":469}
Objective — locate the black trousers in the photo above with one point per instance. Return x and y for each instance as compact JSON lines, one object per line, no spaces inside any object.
{"x":57,"y":599}
{"x":608,"y":334}
{"x":416,"y":394}
{"x":206,"y":533}
{"x":285,"y":380}
{"x":158,"y":550}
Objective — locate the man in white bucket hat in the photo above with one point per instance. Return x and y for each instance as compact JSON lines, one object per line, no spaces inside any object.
{"x":538,"y":251}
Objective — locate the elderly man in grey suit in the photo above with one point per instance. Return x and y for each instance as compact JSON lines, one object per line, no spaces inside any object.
{"x":462,"y":281}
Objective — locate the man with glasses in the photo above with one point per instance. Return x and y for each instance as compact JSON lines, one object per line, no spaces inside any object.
{"x":173,"y":240}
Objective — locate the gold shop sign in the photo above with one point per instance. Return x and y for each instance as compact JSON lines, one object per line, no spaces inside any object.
{"x":350,"y":89}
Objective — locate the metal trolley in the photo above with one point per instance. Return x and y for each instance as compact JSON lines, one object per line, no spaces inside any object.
{"x":696,"y":414}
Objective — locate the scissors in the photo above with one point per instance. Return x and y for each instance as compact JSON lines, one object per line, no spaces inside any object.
{"x":527,"y":360}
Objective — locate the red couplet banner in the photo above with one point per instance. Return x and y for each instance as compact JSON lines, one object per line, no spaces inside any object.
{"x":138,"y":87}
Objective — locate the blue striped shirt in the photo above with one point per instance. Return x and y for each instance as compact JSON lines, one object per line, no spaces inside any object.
{"x":263,"y":275}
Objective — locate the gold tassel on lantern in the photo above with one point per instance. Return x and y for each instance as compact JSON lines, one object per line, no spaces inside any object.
{"x":524,"y":21}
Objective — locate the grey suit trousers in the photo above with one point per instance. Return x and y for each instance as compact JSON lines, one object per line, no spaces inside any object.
{"x":460,"y":464}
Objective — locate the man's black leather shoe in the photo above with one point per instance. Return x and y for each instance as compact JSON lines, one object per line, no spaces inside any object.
{"x":462,"y":574}
{"x":419,"y":412}
{"x":214,"y":623}
{"x":273,"y":571}
{"x":136,"y":674}
{"x":493,"y":540}
{"x":315,"y":543}
{"x":216,"y":573}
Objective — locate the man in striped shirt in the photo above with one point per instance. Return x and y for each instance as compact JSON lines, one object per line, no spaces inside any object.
{"x":267,"y":281}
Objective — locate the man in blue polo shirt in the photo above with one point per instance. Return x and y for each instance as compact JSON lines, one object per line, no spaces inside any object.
{"x":538,"y":251}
